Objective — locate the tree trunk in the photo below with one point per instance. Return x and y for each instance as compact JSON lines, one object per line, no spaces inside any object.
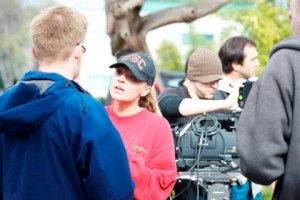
{"x":128,"y":30}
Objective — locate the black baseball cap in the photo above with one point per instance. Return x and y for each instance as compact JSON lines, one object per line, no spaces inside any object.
{"x":140,"y":64}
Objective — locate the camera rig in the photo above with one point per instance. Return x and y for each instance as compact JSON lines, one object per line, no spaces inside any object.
{"x":244,"y":92}
{"x":206,"y":155}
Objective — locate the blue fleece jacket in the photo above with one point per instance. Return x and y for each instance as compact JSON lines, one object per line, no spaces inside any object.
{"x":59,"y":143}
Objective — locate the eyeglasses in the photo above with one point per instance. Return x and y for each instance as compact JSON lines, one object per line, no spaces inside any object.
{"x":83,"y":47}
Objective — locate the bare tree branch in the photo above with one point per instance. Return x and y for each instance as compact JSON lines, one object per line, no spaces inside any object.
{"x":128,"y":30}
{"x":186,"y":14}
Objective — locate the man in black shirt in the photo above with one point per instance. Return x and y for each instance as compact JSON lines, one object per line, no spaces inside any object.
{"x":194,"y":96}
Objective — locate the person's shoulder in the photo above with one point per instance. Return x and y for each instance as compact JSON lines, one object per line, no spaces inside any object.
{"x":82,"y":101}
{"x":78,"y":96}
{"x":224,"y":88}
{"x":176,"y":91}
{"x":285,"y":46}
{"x":171,"y":89}
{"x":220,"y":95}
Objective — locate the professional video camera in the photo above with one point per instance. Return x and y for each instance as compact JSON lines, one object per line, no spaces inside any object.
{"x":206,"y":153}
{"x":205,"y":139}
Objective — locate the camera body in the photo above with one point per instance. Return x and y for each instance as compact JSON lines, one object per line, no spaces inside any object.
{"x":207,"y":139}
{"x":207,"y":156}
{"x":244,"y":92}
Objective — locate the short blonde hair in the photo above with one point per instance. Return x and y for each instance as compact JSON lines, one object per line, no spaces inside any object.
{"x":56,"y":31}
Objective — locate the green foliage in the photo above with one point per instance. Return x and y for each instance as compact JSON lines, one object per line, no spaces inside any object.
{"x":196,"y":41}
{"x":265,"y":23}
{"x":267,"y":192}
{"x":172,"y":1}
{"x":169,"y":57}
{"x":12,"y":48}
{"x":14,"y":36}
{"x":262,"y":20}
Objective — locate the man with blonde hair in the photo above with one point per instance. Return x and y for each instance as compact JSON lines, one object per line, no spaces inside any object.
{"x":59,"y":141}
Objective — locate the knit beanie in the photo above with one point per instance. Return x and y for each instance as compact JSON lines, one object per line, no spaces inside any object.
{"x":204,"y":66}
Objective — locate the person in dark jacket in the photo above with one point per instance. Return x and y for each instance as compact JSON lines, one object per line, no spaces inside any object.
{"x":59,"y":142}
{"x":268,"y":130}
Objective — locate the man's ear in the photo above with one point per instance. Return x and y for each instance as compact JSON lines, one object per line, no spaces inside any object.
{"x":34,"y":53}
{"x":236,"y":66}
{"x":77,"y":52}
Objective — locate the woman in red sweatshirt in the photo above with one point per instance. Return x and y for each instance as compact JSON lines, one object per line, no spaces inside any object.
{"x":145,"y":133}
